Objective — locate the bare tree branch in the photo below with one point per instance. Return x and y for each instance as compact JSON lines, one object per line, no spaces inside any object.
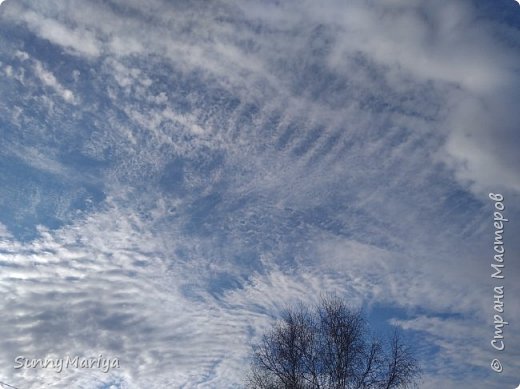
{"x":329,"y":347}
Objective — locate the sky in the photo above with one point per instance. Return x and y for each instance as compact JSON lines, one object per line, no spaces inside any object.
{"x":173,"y":174}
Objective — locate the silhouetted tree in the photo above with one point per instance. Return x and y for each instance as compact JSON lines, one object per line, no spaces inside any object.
{"x":329,"y":347}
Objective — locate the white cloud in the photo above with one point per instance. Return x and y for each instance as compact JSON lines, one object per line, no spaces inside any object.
{"x":110,"y":274}
{"x":50,"y":80}
{"x":439,"y":44}
{"x":81,"y":41}
{"x":22,"y":55}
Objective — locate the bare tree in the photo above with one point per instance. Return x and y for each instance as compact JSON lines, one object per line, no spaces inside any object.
{"x":402,"y":365}
{"x":329,"y":347}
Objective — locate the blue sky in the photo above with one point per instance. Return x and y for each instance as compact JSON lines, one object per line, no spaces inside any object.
{"x":174,"y":173}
